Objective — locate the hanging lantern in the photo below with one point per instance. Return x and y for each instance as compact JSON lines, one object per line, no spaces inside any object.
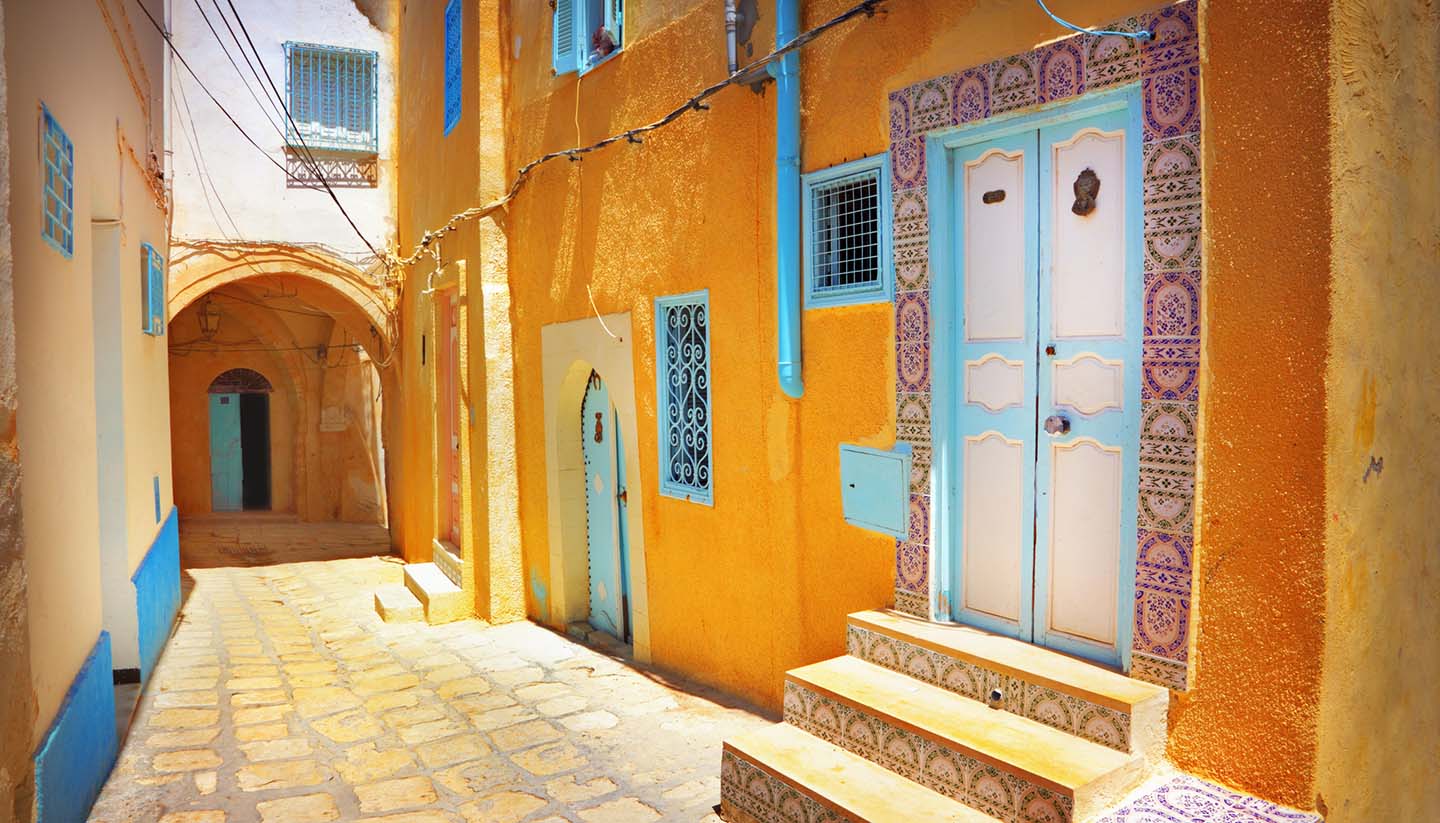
{"x":209,"y":319}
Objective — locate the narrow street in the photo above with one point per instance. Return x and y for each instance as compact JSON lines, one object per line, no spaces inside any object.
{"x":283,"y":698}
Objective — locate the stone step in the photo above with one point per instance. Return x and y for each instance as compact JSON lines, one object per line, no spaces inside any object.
{"x":782,"y":774}
{"x":395,"y":604}
{"x":1008,"y":766}
{"x":444,"y":602}
{"x":1072,"y":695}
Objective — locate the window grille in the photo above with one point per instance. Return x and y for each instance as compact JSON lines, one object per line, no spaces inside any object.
{"x":332,"y":95}
{"x":586,"y":33}
{"x":57,"y":206}
{"x":240,"y":381}
{"x":454,"y":62}
{"x":682,"y":340}
{"x":847,"y":234}
{"x":152,"y":274}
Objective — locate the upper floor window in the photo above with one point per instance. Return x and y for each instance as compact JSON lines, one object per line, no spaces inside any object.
{"x":682,"y":366}
{"x":332,"y":97}
{"x":454,"y":62}
{"x":152,"y":282}
{"x":846,"y":219}
{"x":586,"y":33}
{"x":57,"y":205}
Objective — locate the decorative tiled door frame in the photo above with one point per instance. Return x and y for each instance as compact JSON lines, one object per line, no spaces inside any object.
{"x":1167,"y":70}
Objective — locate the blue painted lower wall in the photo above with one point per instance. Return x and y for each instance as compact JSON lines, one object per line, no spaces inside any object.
{"x":80,"y":748}
{"x":157,"y":593}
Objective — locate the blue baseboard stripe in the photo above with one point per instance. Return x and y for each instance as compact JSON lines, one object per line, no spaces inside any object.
{"x":79,"y":750}
{"x":157,"y":593}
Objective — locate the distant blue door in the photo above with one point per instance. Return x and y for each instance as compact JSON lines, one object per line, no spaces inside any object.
{"x":227,"y":473}
{"x":604,"y":506}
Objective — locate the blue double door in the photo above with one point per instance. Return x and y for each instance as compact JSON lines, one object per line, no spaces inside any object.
{"x":1048,"y":286}
{"x":606,"y":505}
{"x":239,"y":451}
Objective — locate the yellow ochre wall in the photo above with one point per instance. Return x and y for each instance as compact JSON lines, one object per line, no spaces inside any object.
{"x":1379,"y":715}
{"x":762,"y":581}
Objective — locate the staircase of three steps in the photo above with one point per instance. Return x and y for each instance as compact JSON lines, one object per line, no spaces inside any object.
{"x":928,"y":722}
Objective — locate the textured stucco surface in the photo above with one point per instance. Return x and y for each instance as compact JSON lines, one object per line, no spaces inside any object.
{"x":444,"y":174}
{"x":17,"y":698}
{"x":762,"y":581}
{"x":1379,"y":716}
{"x":1250,"y":717}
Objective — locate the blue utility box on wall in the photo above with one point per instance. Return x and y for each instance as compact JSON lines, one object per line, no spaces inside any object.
{"x":875,"y":488}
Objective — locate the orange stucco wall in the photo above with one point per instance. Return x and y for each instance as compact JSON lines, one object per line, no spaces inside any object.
{"x":1250,"y":716}
{"x":762,"y":581}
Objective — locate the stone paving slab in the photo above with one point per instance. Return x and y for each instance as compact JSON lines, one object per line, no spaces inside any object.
{"x":283,"y":698}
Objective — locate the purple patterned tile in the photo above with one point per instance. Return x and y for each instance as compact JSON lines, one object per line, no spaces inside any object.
{"x":1175,"y":41}
{"x":912,"y":567}
{"x":919,"y":520}
{"x":1113,"y":60}
{"x":970,"y":97}
{"x":912,"y":316}
{"x":1161,"y":624}
{"x":1172,"y":304}
{"x":921,"y":459}
{"x":907,"y":163}
{"x":910,"y":231}
{"x":1170,"y":370}
{"x":912,"y":362}
{"x":899,"y":115}
{"x":1062,"y":70}
{"x":1014,"y":82}
{"x":930,"y":104}
{"x":912,"y":418}
{"x":1164,"y":562}
{"x":1172,"y":674}
{"x":1165,"y":510}
{"x":1168,"y":435}
{"x":1172,"y":203}
{"x":1172,"y":102}
{"x":1187,"y":799}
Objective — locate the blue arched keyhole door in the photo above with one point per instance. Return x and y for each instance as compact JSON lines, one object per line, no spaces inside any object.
{"x":605,"y":507}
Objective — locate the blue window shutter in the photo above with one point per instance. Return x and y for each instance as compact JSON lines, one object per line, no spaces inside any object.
{"x":153,"y":280}
{"x":454,"y":63}
{"x":567,"y":56}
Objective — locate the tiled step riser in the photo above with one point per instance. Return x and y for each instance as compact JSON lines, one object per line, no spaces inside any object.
{"x":1090,"y":721}
{"x":749,"y":794}
{"x":979,"y":785}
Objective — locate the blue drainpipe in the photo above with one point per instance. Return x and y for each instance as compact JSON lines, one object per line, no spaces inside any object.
{"x":787,"y":197}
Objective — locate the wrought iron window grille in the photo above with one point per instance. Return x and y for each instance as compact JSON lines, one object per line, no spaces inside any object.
{"x":682,"y":341}
{"x":846,"y":218}
{"x":57,"y":206}
{"x":333,"y":97}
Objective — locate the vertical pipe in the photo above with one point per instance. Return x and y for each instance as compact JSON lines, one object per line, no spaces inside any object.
{"x":731,"y":19}
{"x":787,"y":198}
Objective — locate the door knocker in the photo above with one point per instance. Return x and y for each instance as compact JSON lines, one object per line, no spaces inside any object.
{"x":1087,"y":188}
{"x":599,"y":429}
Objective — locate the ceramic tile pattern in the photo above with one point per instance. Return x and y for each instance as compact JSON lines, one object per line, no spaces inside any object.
{"x":1168,"y":73}
{"x":767,"y":799}
{"x":1098,"y":724}
{"x":1187,"y":799}
{"x":283,"y":698}
{"x":998,"y":793}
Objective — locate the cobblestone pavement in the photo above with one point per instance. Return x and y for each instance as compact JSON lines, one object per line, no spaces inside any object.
{"x":283,"y":698}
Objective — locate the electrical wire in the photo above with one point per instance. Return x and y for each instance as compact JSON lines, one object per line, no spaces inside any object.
{"x":303,"y":145}
{"x":696,"y":103}
{"x":228,"y":56}
{"x":170,"y":43}
{"x":1143,"y":35}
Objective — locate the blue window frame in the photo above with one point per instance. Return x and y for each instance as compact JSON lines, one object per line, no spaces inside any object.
{"x":57,"y":198}
{"x":152,"y":281}
{"x":682,"y":367}
{"x":586,"y":33}
{"x":332,"y":94}
{"x":454,"y":62}
{"x":846,"y":219}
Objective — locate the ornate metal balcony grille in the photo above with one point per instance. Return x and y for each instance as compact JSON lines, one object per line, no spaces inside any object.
{"x":332,"y":93}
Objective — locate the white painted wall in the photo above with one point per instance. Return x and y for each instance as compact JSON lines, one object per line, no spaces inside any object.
{"x":93,"y":419}
{"x":217,"y":171}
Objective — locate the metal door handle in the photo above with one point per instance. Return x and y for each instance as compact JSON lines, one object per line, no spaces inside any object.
{"x":623,"y":496}
{"x":1057,"y":424}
